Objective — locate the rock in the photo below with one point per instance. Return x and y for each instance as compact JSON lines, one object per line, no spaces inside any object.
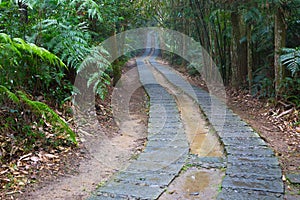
{"x":293,"y":178}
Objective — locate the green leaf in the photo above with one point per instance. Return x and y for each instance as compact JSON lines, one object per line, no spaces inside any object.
{"x":10,"y":94}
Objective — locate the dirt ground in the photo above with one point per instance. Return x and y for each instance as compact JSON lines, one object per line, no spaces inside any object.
{"x":102,"y":154}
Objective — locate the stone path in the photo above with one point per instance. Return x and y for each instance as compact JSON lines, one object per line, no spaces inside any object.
{"x":165,"y":152}
{"x":252,"y":170}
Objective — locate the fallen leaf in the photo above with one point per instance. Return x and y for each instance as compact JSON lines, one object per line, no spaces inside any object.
{"x":3,"y":172}
{"x":34,"y":158}
{"x":50,"y":155}
{"x":24,"y":156}
{"x":283,"y":178}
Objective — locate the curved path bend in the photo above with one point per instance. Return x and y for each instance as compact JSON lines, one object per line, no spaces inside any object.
{"x":252,"y":170}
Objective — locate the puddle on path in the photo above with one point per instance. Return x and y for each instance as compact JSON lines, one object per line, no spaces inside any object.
{"x":202,"y":141}
{"x":194,"y":184}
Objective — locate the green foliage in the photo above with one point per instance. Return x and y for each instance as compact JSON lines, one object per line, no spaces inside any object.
{"x":18,"y":46}
{"x":291,"y":59}
{"x":262,"y":85}
{"x":70,"y":42}
{"x":92,"y":8}
{"x":9,"y":94}
{"x":99,"y":76}
{"x":49,"y":114}
{"x":69,"y":29}
{"x":192,"y":70}
{"x":41,"y":109}
{"x":32,"y":68}
{"x":290,"y":90}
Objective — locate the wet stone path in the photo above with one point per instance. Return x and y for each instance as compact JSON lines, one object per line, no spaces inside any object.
{"x":165,"y":152}
{"x":252,"y":170}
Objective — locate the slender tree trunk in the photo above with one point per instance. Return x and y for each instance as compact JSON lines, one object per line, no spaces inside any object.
{"x":279,"y":42}
{"x":226,"y":49}
{"x":199,"y":10}
{"x":249,"y":58}
{"x":115,"y":66}
{"x":235,"y":50}
{"x":23,"y":8}
{"x":243,"y":50}
{"x":238,"y":51}
{"x":122,"y":44}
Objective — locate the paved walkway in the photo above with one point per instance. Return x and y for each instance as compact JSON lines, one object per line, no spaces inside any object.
{"x":165,"y":153}
{"x":252,"y":170}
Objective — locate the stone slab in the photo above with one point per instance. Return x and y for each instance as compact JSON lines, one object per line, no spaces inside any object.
{"x":163,"y":154}
{"x":253,"y":184}
{"x":240,"y":194}
{"x":142,"y":166}
{"x":152,"y":179}
{"x":246,"y":160}
{"x":167,"y":143}
{"x":130,"y":190}
{"x":162,"y":136}
{"x":231,"y":133}
{"x":293,"y":178}
{"x":243,"y":141}
{"x":257,"y":151}
{"x":260,"y":171}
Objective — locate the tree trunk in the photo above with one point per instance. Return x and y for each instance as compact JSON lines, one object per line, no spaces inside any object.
{"x":249,"y":58}
{"x":235,"y":81}
{"x":115,"y":65}
{"x":279,"y":42}
{"x":238,"y":51}
{"x":199,"y":12}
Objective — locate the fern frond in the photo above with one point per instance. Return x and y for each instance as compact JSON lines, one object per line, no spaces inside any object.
{"x":92,"y":8}
{"x":50,"y":115}
{"x":10,"y":94}
{"x":98,"y":59}
{"x":5,"y":38}
{"x":18,"y":45}
{"x":93,"y":78}
{"x":8,"y":44}
{"x":291,"y":59}
{"x":72,"y":43}
{"x":100,"y":80}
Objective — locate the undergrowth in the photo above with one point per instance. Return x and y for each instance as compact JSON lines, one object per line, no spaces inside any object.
{"x":28,"y":125}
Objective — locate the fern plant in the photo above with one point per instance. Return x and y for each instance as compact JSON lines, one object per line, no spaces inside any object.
{"x":71,"y":43}
{"x":17,"y":45}
{"x":25,"y":65}
{"x":99,"y":77}
{"x":41,"y":109}
{"x":92,"y":8}
{"x":12,"y":96}
{"x":291,"y":59}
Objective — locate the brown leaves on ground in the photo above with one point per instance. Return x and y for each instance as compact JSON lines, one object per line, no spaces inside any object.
{"x":31,"y":149}
{"x":105,"y":113}
{"x":30,"y":168}
{"x":277,"y":123}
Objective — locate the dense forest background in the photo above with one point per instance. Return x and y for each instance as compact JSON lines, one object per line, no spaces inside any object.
{"x":255,"y":44}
